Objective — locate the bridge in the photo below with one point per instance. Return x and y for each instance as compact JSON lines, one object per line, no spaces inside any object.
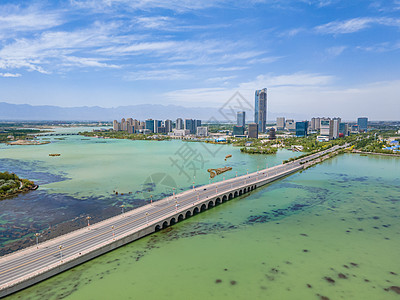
{"x":26,"y":267}
{"x":54,"y":134}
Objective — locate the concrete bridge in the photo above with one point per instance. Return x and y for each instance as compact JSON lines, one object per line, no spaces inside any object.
{"x":26,"y":267}
{"x":55,"y":134}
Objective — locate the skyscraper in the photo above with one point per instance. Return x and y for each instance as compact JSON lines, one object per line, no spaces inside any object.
{"x":260,"y":107}
{"x":253,"y":130}
{"x":150,"y":125}
{"x":168,"y":125}
{"x":362,"y":124}
{"x":280,"y":123}
{"x":179,"y":123}
{"x":241,"y":118}
{"x":116,"y":126}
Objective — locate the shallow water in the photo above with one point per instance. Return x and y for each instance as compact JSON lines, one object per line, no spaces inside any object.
{"x":330,"y":231}
{"x":83,"y":179}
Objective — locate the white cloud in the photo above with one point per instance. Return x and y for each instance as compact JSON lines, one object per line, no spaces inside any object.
{"x":222,"y":78}
{"x":354,"y":25}
{"x":157,"y":22}
{"x":176,"y":5}
{"x":10,"y":75}
{"x":381,"y":47}
{"x":305,"y":94}
{"x":13,"y":20}
{"x":335,"y":51}
{"x":165,"y":74}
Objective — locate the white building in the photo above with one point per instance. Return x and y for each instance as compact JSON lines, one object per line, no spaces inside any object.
{"x":202,"y":131}
{"x":179,"y":132}
{"x":290,"y":125}
{"x":326,"y":128}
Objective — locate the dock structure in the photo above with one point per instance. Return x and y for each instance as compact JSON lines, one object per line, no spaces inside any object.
{"x":26,"y":267}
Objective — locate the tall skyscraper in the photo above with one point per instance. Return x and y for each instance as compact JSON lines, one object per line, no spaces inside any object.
{"x":190,"y":125}
{"x":326,"y":127}
{"x":253,"y":130}
{"x":362,"y":124}
{"x":315,"y":123}
{"x":260,"y":107}
{"x":241,"y":118}
{"x":280,"y":123}
{"x":116,"y":126}
{"x":335,"y":130}
{"x":168,"y":125}
{"x":150,"y":125}
{"x":179,"y":124}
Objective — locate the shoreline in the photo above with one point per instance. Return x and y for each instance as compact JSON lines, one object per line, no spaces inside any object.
{"x":374,"y":153}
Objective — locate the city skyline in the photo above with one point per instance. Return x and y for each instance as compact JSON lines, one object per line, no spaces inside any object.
{"x":331,"y":56}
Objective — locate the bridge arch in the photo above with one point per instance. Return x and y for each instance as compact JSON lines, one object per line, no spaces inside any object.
{"x":180,"y":218}
{"x":230,"y":196}
{"x":195,"y":211}
{"x":240,"y":192}
{"x":217,"y":201}
{"x":157,"y":228}
{"x":224,"y":198}
{"x":188,"y":214}
{"x":210,"y":204}
{"x":235,"y":194}
{"x":172,"y":221}
{"x":203,"y":208}
{"x":165,"y":224}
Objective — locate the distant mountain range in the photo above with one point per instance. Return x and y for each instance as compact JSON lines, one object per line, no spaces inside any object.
{"x":28,"y":112}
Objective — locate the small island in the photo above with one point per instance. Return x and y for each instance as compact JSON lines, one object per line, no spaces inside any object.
{"x":11,"y":184}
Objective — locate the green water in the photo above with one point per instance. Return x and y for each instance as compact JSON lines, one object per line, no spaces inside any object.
{"x":334,"y":227}
{"x":97,"y":167}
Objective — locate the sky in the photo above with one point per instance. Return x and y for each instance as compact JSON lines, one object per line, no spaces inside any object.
{"x":315,"y":57}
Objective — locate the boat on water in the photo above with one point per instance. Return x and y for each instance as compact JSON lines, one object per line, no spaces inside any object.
{"x":54,"y":154}
{"x":215,"y":172}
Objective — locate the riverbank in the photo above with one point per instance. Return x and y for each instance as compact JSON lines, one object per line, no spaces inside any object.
{"x":374,"y":153}
{"x":11,"y":185}
{"x":28,"y":142}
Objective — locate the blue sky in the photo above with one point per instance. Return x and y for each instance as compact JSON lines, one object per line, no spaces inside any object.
{"x":316,"y":57}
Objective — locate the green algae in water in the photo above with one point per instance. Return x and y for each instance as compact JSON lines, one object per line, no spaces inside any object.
{"x":220,"y":254}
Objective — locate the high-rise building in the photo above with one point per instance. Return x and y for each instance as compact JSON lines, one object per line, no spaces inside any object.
{"x":290,"y":125}
{"x":123,"y":125}
{"x":253,"y":130}
{"x":301,"y":128}
{"x":116,"y":126}
{"x":260,"y":107}
{"x":179,"y":124}
{"x":362,"y":124}
{"x":315,"y":123}
{"x":168,"y":125}
{"x":150,"y":125}
{"x":202,"y":131}
{"x":130,"y":128}
{"x":326,"y":128}
{"x":280,"y":123}
{"x":335,"y":127}
{"x":343,"y":129}
{"x":241,"y":118}
{"x":191,"y":125}
{"x":238,"y":130}
{"x":157,"y":124}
